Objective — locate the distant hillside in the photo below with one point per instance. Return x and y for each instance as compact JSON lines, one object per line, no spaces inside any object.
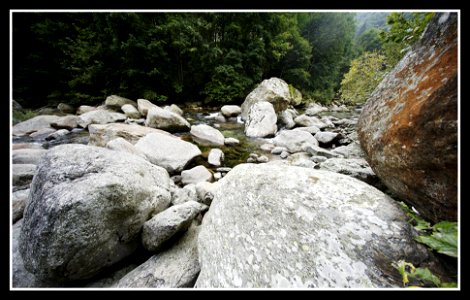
{"x":368,"y":20}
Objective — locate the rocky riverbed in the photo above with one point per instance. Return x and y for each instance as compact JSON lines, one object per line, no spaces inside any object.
{"x":263,"y":195}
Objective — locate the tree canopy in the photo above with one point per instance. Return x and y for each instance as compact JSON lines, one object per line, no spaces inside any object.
{"x":81,"y":58}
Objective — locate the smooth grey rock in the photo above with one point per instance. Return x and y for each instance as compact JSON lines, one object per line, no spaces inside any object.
{"x":231,"y":141}
{"x":166,"y":120}
{"x":100,"y":135}
{"x":311,"y":129}
{"x":224,"y":169}
{"x":354,"y":167}
{"x":278,"y":150}
{"x":42,"y":133}
{"x":204,"y":192}
{"x":216,"y":157}
{"x":328,"y":123}
{"x":220,"y":118}
{"x":314,"y":109}
{"x":15,"y":105}
{"x":195,"y":175}
{"x":318,"y":151}
{"x":318,"y":158}
{"x":166,"y":224}
{"x":267,"y":147}
{"x":67,"y":122}
{"x":261,"y":120}
{"x":168,"y":152}
{"x":353,"y":150}
{"x":58,"y":134}
{"x":217,"y":176}
{"x":66,"y":108}
{"x":206,"y":135}
{"x":144,"y":105}
{"x":130,"y":111}
{"x":117,"y":101}
{"x":325,"y":137}
{"x":18,"y":203}
{"x":86,"y":210}
{"x":120,"y":144}
{"x":305,"y":121}
{"x":174,"y":109}
{"x":34,"y":124}
{"x":185,"y":194}
{"x":284,"y":154}
{"x":84,"y":109}
{"x":112,"y":279}
{"x":176,"y":267}
{"x":273,"y":90}
{"x":18,"y":146}
{"x":21,"y":278}
{"x":27,"y":156}
{"x":230,"y":110}
{"x":22,"y":174}
{"x":287,"y":118}
{"x":302,"y":228}
{"x":100,"y":116}
{"x":294,"y":140}
{"x":262,"y":159}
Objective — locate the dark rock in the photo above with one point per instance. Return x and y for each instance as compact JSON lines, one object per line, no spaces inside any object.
{"x":408,"y":127}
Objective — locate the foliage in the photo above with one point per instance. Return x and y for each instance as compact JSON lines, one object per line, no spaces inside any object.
{"x":369,"y":40}
{"x":423,"y":275}
{"x":365,"y":74}
{"x":405,"y":30}
{"x":366,"y":21}
{"x":23,"y":115}
{"x":331,"y":36}
{"x":443,"y":237}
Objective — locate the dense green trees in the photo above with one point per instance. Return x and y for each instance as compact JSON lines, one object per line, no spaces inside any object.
{"x":331,"y":36}
{"x":383,"y":49}
{"x":177,"y":57}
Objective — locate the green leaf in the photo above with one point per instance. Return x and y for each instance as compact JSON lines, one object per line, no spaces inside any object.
{"x":442,"y":243}
{"x":426,"y":275}
{"x":446,"y":226}
{"x":448,"y":284}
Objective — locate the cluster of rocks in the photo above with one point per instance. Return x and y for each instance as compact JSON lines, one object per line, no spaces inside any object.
{"x":304,"y":214}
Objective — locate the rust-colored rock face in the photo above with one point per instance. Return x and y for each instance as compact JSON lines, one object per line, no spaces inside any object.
{"x":408,"y":127}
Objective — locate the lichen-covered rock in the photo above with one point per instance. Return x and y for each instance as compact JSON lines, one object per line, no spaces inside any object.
{"x":408,"y":127}
{"x":306,"y":228}
{"x":86,"y":210}
{"x":273,"y":90}
{"x":261,"y":120}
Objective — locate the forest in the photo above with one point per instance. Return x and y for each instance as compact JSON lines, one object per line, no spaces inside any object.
{"x":80,"y":58}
